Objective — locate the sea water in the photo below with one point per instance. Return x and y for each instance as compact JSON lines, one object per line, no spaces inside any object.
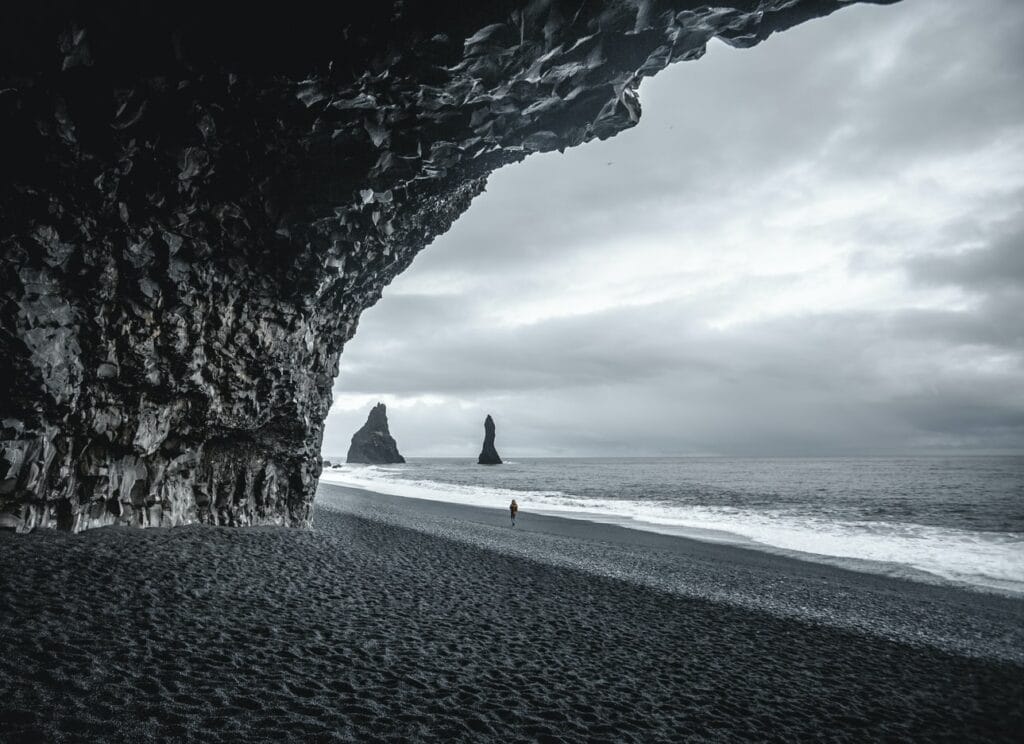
{"x":956,"y":519}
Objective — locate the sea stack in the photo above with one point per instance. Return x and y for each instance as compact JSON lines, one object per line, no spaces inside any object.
{"x":373,"y":444}
{"x":489,"y":455}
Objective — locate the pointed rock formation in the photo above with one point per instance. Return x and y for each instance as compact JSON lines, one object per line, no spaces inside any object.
{"x":489,"y":455}
{"x":373,"y":444}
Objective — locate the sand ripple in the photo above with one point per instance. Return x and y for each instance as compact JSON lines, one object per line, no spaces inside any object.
{"x":367,"y":631}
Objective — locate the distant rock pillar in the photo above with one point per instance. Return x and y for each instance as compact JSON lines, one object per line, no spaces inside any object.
{"x":373,"y":444}
{"x":489,"y":455}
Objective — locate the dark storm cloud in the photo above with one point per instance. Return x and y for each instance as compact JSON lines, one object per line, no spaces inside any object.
{"x":810,"y":247}
{"x":993,"y":323}
{"x":997,"y":266}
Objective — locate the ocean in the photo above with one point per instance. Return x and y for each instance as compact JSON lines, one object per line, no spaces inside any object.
{"x":942,"y":519}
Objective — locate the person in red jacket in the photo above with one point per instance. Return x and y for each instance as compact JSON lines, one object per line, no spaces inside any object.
{"x":513,"y":509}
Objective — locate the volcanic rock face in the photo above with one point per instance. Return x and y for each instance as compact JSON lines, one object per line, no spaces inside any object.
{"x":197,"y":204}
{"x":373,"y":443}
{"x":488,"y":455}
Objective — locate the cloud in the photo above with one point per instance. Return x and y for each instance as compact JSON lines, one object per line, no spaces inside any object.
{"x":998,"y":265}
{"x":809,"y":247}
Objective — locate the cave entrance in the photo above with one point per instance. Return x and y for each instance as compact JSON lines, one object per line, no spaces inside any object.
{"x":744,"y":272}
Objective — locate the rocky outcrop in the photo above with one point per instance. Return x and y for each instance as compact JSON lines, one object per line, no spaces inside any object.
{"x":488,"y":455}
{"x":198,"y":203}
{"x":373,"y":443}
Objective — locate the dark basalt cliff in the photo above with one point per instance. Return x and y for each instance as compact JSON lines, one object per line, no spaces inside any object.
{"x":488,"y":454}
{"x":373,"y":443}
{"x":197,"y":204}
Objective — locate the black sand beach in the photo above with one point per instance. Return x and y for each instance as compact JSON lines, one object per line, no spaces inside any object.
{"x":398,"y":620}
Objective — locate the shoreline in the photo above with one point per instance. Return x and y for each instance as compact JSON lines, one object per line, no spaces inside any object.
{"x":889,"y":569}
{"x":955,"y":619}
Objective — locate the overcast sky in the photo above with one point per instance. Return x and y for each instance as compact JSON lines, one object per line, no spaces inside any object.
{"x":815,"y":246}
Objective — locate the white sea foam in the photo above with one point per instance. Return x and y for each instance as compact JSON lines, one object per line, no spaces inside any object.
{"x":992,"y":560}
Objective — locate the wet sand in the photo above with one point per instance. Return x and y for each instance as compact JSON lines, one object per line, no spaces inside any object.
{"x":398,"y":620}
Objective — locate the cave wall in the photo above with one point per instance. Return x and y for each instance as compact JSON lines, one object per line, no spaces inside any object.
{"x":196,"y":205}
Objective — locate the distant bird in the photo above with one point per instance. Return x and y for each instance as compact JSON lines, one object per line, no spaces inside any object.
{"x":609,"y":162}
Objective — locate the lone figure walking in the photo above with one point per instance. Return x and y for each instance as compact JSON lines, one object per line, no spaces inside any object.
{"x":513,"y":509}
